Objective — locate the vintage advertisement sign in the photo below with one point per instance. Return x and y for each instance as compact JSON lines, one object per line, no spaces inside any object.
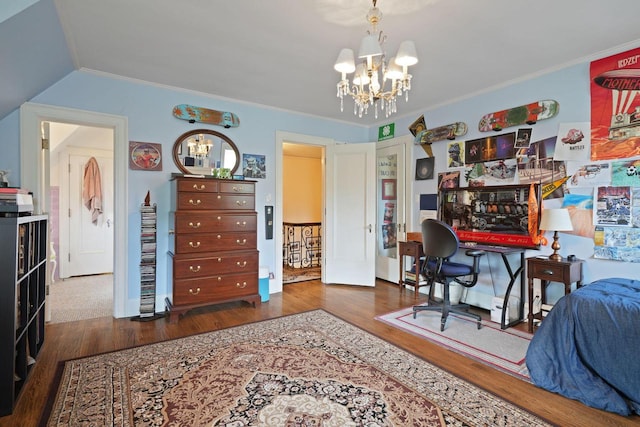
{"x":615,"y":106}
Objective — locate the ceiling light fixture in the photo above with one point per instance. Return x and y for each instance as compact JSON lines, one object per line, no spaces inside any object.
{"x":366,"y":88}
{"x":199,"y":146}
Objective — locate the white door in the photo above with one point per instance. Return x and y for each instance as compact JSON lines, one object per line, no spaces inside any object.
{"x":390,"y":210}
{"x":90,"y":244}
{"x":349,"y":246}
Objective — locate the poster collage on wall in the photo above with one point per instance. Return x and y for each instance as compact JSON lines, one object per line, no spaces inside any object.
{"x":594,"y":167}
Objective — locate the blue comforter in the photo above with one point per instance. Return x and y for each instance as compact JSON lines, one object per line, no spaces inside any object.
{"x":588,"y":346}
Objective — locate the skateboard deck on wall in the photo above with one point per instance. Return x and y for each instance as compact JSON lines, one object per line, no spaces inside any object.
{"x":450,"y":132}
{"x":204,"y":115}
{"x":524,"y":114}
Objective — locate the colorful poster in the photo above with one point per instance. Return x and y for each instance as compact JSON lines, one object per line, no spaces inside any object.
{"x":625,"y":172}
{"x":580,"y":207}
{"x":574,"y":142}
{"x":588,"y":175}
{"x":612,"y":206}
{"x":615,"y":106}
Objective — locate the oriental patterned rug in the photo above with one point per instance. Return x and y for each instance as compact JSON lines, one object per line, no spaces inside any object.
{"x":308,"y":369}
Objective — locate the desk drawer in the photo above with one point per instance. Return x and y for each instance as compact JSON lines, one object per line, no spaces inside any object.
{"x":410,"y":249}
{"x":548,"y":271}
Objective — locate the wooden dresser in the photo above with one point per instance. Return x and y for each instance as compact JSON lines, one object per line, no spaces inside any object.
{"x":213,"y":247}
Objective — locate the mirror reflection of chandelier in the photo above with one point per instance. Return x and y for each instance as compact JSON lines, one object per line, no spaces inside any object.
{"x":366,"y":88}
{"x":199,"y":146}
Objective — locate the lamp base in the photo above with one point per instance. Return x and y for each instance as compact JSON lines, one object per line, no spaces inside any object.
{"x":555,"y":257}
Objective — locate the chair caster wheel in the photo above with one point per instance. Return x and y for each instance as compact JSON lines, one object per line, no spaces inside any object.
{"x":479,"y":326}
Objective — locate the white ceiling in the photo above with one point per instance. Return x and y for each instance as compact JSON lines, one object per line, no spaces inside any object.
{"x":280,"y":53}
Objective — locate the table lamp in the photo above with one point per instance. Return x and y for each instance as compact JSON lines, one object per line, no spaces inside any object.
{"x":555,"y":220}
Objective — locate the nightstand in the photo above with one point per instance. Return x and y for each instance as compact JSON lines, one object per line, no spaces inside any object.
{"x":411,"y":249}
{"x":546,"y":270}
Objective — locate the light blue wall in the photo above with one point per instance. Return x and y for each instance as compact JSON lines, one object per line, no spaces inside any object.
{"x":149,"y":112}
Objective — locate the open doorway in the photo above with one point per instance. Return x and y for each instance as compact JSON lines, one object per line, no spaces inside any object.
{"x":81,"y":238}
{"x":34,"y":175}
{"x":302,"y":190}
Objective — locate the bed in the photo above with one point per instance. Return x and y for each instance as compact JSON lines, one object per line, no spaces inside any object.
{"x":588,"y":346}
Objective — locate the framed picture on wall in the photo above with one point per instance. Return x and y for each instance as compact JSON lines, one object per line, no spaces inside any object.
{"x":145,"y":156}
{"x":388,"y":189}
{"x":424,"y":168}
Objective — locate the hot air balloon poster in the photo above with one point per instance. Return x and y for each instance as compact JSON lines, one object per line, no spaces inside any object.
{"x":615,"y":106}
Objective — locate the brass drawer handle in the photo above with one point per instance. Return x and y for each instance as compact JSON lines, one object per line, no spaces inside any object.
{"x":241,"y":285}
{"x":219,"y":259}
{"x":202,"y":187}
{"x":219,"y":197}
{"x":195,"y":270}
{"x":196,"y":203}
{"x":236,"y":189}
{"x":196,"y":225}
{"x":194,"y":293}
{"x":241,"y":242}
{"x":242,"y":265}
{"x":219,"y":279}
{"x":194,"y":245}
{"x":549,"y":272}
{"x":218,"y":237}
{"x":241,"y":202}
{"x":219,"y":218}
{"x":241,"y":224}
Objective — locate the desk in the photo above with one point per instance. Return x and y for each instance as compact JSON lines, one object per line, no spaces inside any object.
{"x":547,"y":271}
{"x":414,"y":249}
{"x":504,"y":251}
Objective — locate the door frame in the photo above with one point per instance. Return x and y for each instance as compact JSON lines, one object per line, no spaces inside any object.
{"x":35,"y":179}
{"x":295,"y":138}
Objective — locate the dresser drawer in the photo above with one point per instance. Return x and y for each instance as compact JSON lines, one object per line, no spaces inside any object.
{"x":237,"y":187}
{"x":224,"y":263}
{"x":548,"y":271}
{"x":212,"y":201}
{"x":187,"y":222}
{"x":215,"y":242}
{"x":198,"y":185}
{"x":215,"y":288}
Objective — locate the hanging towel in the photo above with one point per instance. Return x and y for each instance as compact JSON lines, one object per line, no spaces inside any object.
{"x":92,"y":189}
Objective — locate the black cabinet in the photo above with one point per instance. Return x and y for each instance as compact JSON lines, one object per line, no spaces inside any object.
{"x":23,"y":274}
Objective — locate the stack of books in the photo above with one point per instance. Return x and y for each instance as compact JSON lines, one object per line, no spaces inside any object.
{"x":13,"y":199}
{"x":410,"y":275}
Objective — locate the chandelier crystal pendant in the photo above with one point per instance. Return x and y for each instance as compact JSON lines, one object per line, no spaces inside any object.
{"x":366,"y":89}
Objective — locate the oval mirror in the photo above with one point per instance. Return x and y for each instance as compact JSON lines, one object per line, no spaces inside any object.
{"x":198,"y":151}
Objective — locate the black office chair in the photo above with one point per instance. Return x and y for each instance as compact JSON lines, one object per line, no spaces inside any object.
{"x":439,"y":243}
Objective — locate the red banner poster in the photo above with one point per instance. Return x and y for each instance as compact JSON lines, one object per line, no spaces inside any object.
{"x":615,"y":106}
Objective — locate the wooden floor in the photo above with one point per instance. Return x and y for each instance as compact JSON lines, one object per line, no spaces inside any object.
{"x":357,"y":305}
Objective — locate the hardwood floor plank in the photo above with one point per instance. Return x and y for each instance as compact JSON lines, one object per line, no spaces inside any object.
{"x":358,"y":305}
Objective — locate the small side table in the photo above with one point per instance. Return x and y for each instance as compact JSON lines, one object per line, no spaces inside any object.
{"x":412,"y":249}
{"x":547,"y":271}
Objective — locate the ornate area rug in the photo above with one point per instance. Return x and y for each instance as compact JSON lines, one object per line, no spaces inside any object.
{"x":295,"y":275}
{"x":502,"y":349}
{"x":308,"y":369}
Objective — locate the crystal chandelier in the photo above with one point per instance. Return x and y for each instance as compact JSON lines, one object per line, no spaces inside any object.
{"x":366,"y":88}
{"x":199,"y":146}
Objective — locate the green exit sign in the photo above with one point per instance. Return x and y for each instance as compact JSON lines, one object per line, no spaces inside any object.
{"x":386,"y":131}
